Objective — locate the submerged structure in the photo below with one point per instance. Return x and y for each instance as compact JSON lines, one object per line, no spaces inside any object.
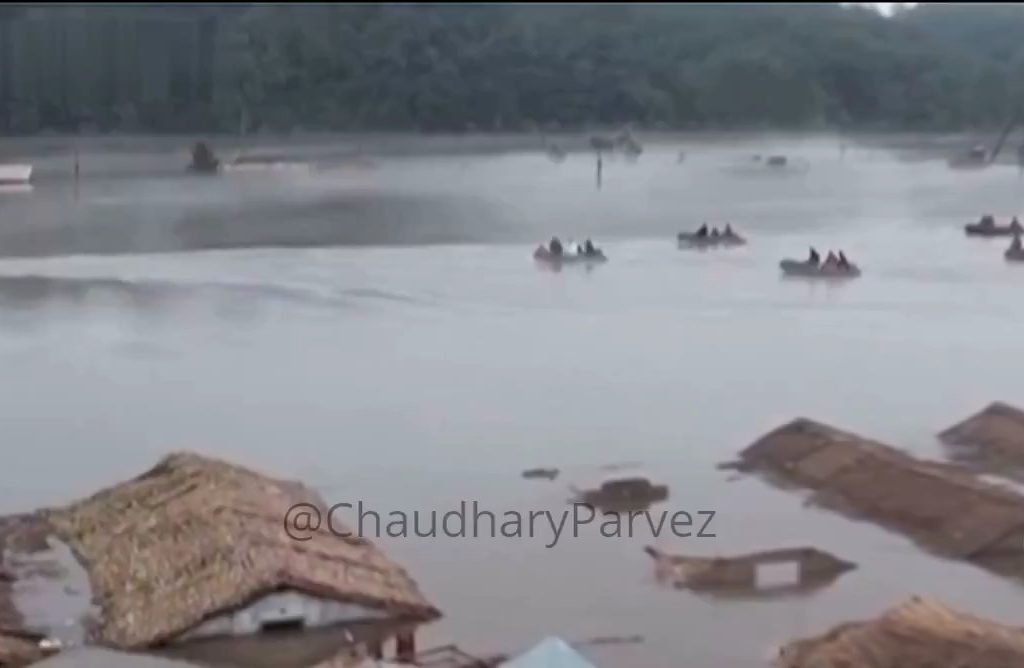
{"x":191,"y":560}
{"x":756,"y":575}
{"x":941,"y":507}
{"x":920,"y":633}
{"x":623,"y":495}
{"x":993,"y":436}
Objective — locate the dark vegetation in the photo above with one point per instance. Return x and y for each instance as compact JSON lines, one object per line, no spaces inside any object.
{"x":430,"y":67}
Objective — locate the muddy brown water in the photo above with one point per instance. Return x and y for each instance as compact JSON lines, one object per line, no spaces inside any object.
{"x":379,"y":330}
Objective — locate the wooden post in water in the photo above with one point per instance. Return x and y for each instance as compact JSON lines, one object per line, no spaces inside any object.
{"x":405,"y":647}
{"x":78,"y":171}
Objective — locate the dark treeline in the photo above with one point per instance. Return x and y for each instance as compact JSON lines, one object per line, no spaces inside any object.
{"x":177,"y":68}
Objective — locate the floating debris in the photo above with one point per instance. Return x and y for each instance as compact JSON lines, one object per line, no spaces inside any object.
{"x":759,"y":574}
{"x":943,"y":508}
{"x":621,"y":466}
{"x":610,"y":640}
{"x":920,"y":633}
{"x":547,"y":474}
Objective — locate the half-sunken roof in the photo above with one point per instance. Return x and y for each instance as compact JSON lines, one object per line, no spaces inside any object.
{"x":17,"y":651}
{"x":996,"y":432}
{"x":917,"y":634}
{"x":195,"y":537}
{"x":941,"y":507}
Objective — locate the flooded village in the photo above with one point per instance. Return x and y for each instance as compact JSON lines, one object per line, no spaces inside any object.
{"x":736,"y":284}
{"x":187,"y":565}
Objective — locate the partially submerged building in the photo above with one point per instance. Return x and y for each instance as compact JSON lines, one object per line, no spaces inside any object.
{"x":939,"y":506}
{"x":192,"y":560}
{"x":763,"y":574}
{"x":19,"y":650}
{"x":993,"y":436}
{"x":917,"y":634}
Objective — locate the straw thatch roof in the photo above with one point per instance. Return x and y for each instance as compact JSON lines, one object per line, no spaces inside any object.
{"x":917,"y":634}
{"x":997,"y":432}
{"x":195,"y":537}
{"x":939,"y":506}
{"x":17,"y":651}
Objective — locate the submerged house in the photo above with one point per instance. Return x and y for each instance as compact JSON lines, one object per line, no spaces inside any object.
{"x":754,"y":575}
{"x":940,"y":507}
{"x":994,"y":436}
{"x":192,"y":560}
{"x":917,"y":634}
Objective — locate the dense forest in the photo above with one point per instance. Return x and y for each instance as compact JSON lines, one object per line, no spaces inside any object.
{"x":435,"y":67}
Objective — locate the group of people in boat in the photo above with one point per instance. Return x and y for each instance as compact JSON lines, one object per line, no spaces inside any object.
{"x":703,"y":233}
{"x":835,"y":260}
{"x":989,"y":221}
{"x":587,"y":249}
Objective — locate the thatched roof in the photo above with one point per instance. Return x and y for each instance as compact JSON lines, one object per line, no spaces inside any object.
{"x":997,"y":432}
{"x":917,"y":634}
{"x":17,"y":651}
{"x":941,"y":507}
{"x":195,"y":537}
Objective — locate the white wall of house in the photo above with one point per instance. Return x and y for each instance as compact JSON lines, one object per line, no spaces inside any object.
{"x":282,"y":608}
{"x":15,"y":174}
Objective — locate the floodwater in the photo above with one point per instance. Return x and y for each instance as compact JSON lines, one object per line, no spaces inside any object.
{"x":378,"y":329}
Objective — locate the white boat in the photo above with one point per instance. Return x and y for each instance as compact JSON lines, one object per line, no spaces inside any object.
{"x":15,"y":175}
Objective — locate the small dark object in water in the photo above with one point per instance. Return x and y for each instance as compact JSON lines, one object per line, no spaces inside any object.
{"x":549,"y":474}
{"x":777,"y":161}
{"x":203,"y":159}
{"x":623,"y":494}
{"x":610,"y":640}
{"x":618,"y":466}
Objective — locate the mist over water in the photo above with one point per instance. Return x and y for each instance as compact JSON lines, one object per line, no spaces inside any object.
{"x":378,"y":328}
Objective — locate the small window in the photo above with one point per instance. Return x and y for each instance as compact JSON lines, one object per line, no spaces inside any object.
{"x":283,"y":624}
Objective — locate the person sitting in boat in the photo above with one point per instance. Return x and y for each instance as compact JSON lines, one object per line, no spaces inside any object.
{"x":814,"y":259}
{"x":715,"y":233}
{"x":555,"y":246}
{"x":703,"y":231}
{"x":1017,"y":245}
{"x":728,"y":231}
{"x":588,"y":248}
{"x":1015,"y":225}
{"x":843,"y":263}
{"x":987,"y":221}
{"x":831,"y":260}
